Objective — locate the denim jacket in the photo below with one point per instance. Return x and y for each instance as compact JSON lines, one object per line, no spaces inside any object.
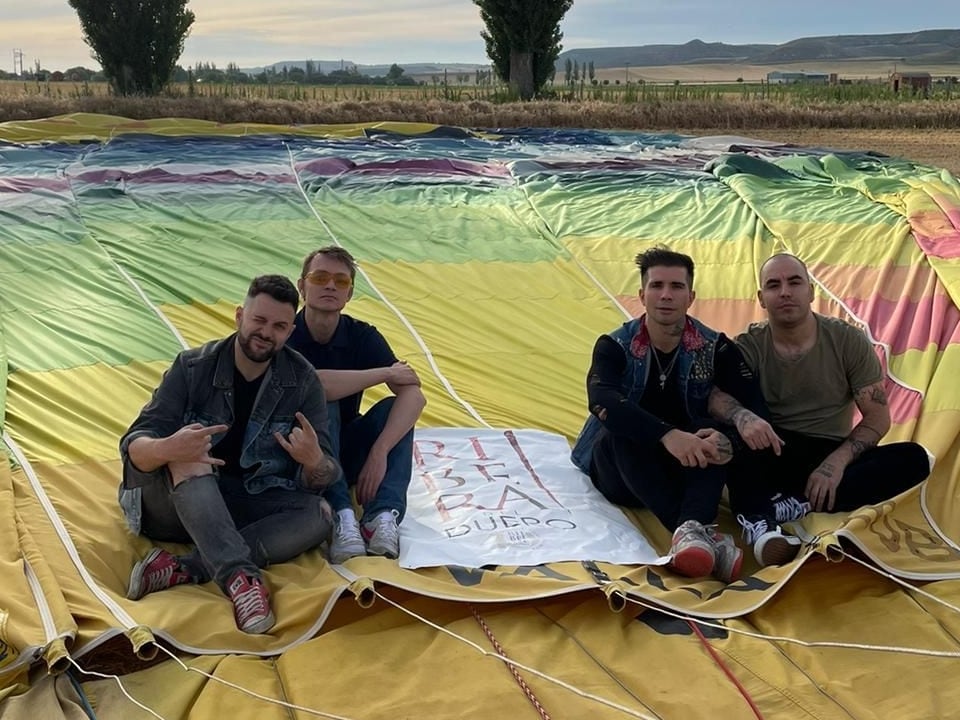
{"x":695,"y":372}
{"x":198,"y":388}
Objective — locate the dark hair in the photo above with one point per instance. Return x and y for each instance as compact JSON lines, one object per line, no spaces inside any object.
{"x":279,"y":287}
{"x":662,"y":257}
{"x":334,"y":252}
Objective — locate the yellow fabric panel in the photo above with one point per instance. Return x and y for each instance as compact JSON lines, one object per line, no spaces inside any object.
{"x":71,"y":416}
{"x":85,"y":126}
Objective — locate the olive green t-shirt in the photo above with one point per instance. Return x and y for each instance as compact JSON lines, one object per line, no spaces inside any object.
{"x":814,"y":394}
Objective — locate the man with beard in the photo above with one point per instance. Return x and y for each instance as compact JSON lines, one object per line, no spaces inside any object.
{"x":232,"y":455}
{"x":815,"y":371}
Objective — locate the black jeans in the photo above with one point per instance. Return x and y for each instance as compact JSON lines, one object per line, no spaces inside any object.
{"x":877,"y":475}
{"x":635,"y":475}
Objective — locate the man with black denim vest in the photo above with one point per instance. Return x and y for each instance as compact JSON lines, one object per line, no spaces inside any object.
{"x":232,"y":454}
{"x":648,"y":441}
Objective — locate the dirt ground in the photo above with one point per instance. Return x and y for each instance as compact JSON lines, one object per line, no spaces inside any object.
{"x":940,"y":148}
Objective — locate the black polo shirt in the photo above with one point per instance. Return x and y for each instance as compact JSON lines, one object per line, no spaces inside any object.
{"x":355,"y":345}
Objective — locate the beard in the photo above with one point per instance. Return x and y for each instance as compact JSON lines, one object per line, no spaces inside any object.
{"x":252,"y":354}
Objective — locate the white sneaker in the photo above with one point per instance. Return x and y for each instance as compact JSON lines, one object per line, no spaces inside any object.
{"x":383,"y":534}
{"x":347,"y":541}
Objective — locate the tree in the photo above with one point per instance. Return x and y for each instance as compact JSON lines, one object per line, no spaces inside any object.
{"x":394,"y":73}
{"x":523,"y":40}
{"x":137,"y":42}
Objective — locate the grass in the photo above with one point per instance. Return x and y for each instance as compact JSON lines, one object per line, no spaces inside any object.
{"x":924,"y":130}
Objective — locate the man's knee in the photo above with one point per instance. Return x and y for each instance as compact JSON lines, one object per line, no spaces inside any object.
{"x":182,"y":471}
{"x":380,"y":411}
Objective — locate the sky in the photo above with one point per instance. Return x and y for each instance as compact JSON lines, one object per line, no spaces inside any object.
{"x":259,"y":32}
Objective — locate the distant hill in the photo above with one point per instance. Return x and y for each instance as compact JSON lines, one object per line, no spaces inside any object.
{"x":915,"y":48}
{"x":328,"y":66}
{"x":934,"y":47}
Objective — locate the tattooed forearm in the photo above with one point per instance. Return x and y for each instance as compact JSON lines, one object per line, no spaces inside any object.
{"x":740,"y":417}
{"x":322,"y":475}
{"x":862,"y":439}
{"x":725,"y":407}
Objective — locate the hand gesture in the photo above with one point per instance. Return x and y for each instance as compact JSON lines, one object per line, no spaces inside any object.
{"x":756,"y":432}
{"x":402,"y":374}
{"x":370,"y":477}
{"x":192,"y":444}
{"x":720,"y":451}
{"x":686,"y":447}
{"x":301,"y":444}
{"x":821,"y":488}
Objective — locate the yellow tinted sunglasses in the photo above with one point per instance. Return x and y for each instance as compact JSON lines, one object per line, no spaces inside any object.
{"x":341,"y":281}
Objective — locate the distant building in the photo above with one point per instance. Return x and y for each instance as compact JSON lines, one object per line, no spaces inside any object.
{"x":778,"y":77}
{"x":915,"y":82}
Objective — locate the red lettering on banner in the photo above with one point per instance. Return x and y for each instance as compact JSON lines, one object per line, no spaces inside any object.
{"x":478,"y":449}
{"x":430,"y":480}
{"x":444,"y":508}
{"x":438,"y":447}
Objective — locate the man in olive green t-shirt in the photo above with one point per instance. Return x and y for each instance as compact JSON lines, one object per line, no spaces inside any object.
{"x":813,"y":370}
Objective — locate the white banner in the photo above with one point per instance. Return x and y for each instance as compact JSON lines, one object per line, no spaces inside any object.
{"x":508,"y":497}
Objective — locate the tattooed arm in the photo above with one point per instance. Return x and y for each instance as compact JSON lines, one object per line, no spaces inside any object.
{"x":756,"y":432}
{"x":823,"y":481}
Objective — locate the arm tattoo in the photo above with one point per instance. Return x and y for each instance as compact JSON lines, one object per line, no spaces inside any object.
{"x":322,"y":475}
{"x":873,"y":393}
{"x":725,"y":407}
{"x":878,"y":396}
{"x":740,"y":417}
{"x":862,"y":439}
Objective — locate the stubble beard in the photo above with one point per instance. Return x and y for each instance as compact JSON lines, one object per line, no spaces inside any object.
{"x":246,"y":347}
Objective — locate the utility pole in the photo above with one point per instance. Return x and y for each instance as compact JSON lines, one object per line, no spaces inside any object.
{"x":17,"y":62}
{"x":626,"y":74}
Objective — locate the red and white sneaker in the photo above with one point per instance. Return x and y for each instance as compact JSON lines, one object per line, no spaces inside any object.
{"x":692,"y":552}
{"x":729,"y":558}
{"x":382,"y":534}
{"x":159,"y":570}
{"x":251,"y":603}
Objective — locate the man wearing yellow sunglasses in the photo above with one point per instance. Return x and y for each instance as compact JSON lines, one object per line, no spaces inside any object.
{"x":375,"y":448}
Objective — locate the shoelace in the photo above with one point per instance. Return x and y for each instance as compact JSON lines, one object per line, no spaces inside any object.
{"x":159,"y":579}
{"x":752,"y":529}
{"x":250,"y":602}
{"x":789,"y":509}
{"x":387,"y":527}
{"x":348,"y":531}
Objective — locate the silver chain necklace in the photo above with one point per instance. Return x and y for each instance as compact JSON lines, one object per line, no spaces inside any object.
{"x":664,"y":372}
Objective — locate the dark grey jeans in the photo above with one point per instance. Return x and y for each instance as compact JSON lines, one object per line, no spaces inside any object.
{"x":231,"y":528}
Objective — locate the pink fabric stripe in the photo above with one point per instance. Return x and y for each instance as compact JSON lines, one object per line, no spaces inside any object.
{"x":907,"y":325}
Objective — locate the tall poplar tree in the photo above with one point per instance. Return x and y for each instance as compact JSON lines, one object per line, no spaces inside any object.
{"x":523,"y":40}
{"x":136,"y":42}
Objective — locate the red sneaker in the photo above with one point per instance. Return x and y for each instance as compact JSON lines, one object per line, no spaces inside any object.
{"x":251,"y":603}
{"x":691,"y":552}
{"x":159,"y":570}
